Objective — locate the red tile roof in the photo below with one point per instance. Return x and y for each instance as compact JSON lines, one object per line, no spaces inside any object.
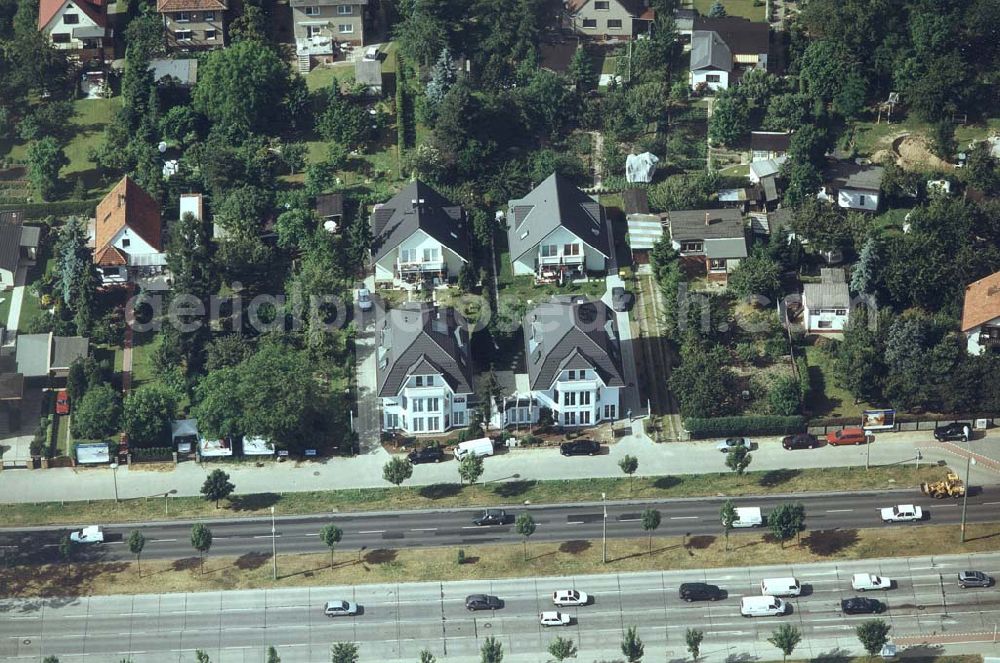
{"x":982,"y":302}
{"x":191,"y":5}
{"x":94,"y":9}
{"x":127,"y":205}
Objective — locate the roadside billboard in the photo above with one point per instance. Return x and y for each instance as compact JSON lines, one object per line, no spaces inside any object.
{"x":878,"y":419}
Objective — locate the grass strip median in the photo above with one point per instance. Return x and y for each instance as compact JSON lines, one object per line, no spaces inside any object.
{"x":499,"y":493}
{"x":580,"y":557}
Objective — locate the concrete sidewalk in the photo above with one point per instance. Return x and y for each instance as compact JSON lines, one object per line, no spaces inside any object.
{"x":365,"y":471}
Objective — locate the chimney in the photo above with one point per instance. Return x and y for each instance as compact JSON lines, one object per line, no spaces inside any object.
{"x":707,"y":221}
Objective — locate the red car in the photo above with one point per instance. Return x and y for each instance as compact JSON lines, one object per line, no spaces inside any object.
{"x":62,"y":402}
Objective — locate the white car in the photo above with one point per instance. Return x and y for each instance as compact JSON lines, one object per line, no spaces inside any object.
{"x":92,"y":534}
{"x":864,"y":582}
{"x":570,"y":597}
{"x":553,"y":618}
{"x":363,"y":298}
{"x":339,"y":608}
{"x":902,"y":513}
{"x":731,"y":443}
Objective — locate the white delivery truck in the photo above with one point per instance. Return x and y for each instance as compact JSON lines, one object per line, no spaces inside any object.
{"x":762,"y":606}
{"x":748,"y":516}
{"x":482,"y":447}
{"x":780,"y":587}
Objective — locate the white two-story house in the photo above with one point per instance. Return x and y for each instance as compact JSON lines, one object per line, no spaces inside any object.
{"x":418,"y":236}
{"x":853,"y":185}
{"x":981,"y":315}
{"x":128,"y":235}
{"x":723,"y":48}
{"x":558,"y":232}
{"x":574,"y":365}
{"x":79,"y":27}
{"x":424,"y":369}
{"x":711,"y":241}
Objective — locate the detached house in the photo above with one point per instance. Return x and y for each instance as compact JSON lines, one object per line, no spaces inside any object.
{"x":574,"y":364}
{"x":128,"y":234}
{"x":322,"y":26}
{"x":419,"y":236}
{"x":77,"y":26}
{"x":610,"y":19}
{"x":766,"y":145}
{"x":722,"y":48}
{"x":557,"y":232}
{"x":981,"y":315}
{"x":18,"y":246}
{"x":853,"y":185}
{"x":424,"y":369}
{"x":711,"y":241}
{"x":42,"y":356}
{"x":194,"y":24}
{"x":826,"y":306}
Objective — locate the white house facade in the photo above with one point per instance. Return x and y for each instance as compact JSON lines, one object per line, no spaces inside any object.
{"x":558,"y":232}
{"x":981,"y":315}
{"x":574,"y":366}
{"x":419,"y":236}
{"x":75,"y":25}
{"x":826,"y":306}
{"x":424,"y":370}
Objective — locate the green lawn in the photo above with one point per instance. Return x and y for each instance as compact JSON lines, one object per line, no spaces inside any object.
{"x":523,"y":288}
{"x":826,"y":399}
{"x":92,"y":116}
{"x":745,"y":8}
{"x":321,"y":77}
{"x":143,"y":344}
{"x":870,"y":137}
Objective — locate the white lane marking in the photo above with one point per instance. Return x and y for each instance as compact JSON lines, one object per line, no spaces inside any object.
{"x":372,"y":531}
{"x":684,"y":518}
{"x":945,"y":506}
{"x":990,"y":503}
{"x":569,"y":522}
{"x":266,"y":536}
{"x":629,"y":520}
{"x":839,"y":510}
{"x":161,"y":540}
{"x":424,"y":529}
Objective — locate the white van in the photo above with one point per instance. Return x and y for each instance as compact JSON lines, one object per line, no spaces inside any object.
{"x":482,"y":447}
{"x":780,"y":587}
{"x":762,"y":606}
{"x":748,"y":516}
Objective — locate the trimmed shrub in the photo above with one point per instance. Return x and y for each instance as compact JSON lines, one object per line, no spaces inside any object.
{"x":803,"y":370}
{"x":152,"y":453}
{"x":34,"y":211}
{"x":746,"y":425}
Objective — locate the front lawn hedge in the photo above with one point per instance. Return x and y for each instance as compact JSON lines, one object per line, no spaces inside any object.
{"x":746,"y":425}
{"x":59,"y":208}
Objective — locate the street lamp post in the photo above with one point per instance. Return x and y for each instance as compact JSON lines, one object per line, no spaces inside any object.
{"x":114,"y":474}
{"x":604,"y":536}
{"x":965,"y":498}
{"x":274,"y":548}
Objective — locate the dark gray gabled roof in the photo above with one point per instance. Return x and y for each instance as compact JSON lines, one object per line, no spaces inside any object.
{"x":10,"y":239}
{"x":554,"y":203}
{"x":771,"y":141}
{"x":329,"y":204}
{"x":404,"y":214}
{"x":420,"y":338}
{"x":741,"y":36}
{"x":709,"y":51}
{"x":698,"y":224}
{"x":571,"y":332}
{"x":850,"y":175}
{"x":67,"y":349}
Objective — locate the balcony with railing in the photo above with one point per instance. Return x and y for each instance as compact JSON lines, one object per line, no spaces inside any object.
{"x":421,"y":266}
{"x":990,"y":338}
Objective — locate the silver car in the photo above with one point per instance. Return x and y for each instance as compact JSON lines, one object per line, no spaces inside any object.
{"x":340,"y":608}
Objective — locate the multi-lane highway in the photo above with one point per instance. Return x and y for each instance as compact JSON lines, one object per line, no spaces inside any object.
{"x":409,"y":529}
{"x":397,"y":621}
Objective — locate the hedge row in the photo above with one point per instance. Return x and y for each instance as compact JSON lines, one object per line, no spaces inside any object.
{"x":803,"y":370}
{"x":57,"y":208}
{"x":152,"y":453}
{"x":747,"y":425}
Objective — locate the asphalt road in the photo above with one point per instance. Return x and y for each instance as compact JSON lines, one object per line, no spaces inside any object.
{"x":411,"y":529}
{"x":399,"y":620}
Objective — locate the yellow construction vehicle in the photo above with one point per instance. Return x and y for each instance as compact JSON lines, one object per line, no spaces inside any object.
{"x":950,"y":486}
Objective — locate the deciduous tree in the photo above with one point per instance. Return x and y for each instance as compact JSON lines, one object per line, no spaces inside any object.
{"x":873,"y":635}
{"x":470,"y":469}
{"x":201,"y":540}
{"x":97,"y":414}
{"x":693,"y":638}
{"x":629,"y":465}
{"x":729,"y":516}
{"x":738,"y":459}
{"x":562,"y":648}
{"x":786,"y":521}
{"x":331,"y":536}
{"x":136,"y":542}
{"x":786,"y":637}
{"x":632,"y":646}
{"x":45,"y":159}
{"x":491,"y":651}
{"x":147,"y":414}
{"x":397,"y":470}
{"x":650,"y":522}
{"x":344,"y":652}
{"x":525,"y":526}
{"x":242,"y":87}
{"x":217,"y":487}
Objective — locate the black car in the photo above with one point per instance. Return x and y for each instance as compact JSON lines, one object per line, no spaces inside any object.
{"x":580,"y":448}
{"x":957,"y":430}
{"x":426,"y":455}
{"x":491,"y":517}
{"x":700,"y":591}
{"x":620,"y":299}
{"x":974,"y":579}
{"x":482,"y":602}
{"x":860,"y":605}
{"x":800,"y":441}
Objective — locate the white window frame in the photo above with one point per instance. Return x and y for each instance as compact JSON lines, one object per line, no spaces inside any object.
{"x":585,"y":417}
{"x":432,"y":254}
{"x":391,"y":421}
{"x":407,"y":255}
{"x":592,"y":24}
{"x":345,"y":28}
{"x":341,"y":12}
{"x":182,"y":17}
{"x":418,"y":424}
{"x":209,"y":16}
{"x":179,"y":35}
{"x":313,"y":31}
{"x":692,"y":247}
{"x":433,"y":423}
{"x":458,"y":418}
{"x":717,"y":265}
{"x":606,"y":7}
{"x":713,"y":78}
{"x":211,"y":35}
{"x":310,"y":10}
{"x":75,"y":21}
{"x":615,"y":27}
